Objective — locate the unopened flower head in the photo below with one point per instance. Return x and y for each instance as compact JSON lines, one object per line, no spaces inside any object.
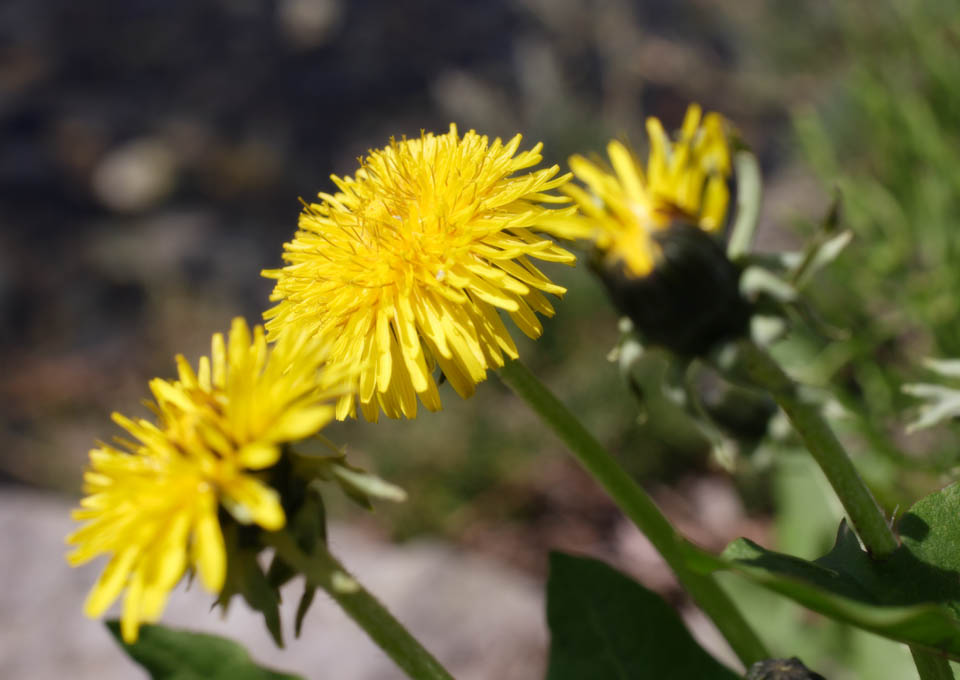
{"x":685,"y":180}
{"x":410,"y":263}
{"x":152,"y":502}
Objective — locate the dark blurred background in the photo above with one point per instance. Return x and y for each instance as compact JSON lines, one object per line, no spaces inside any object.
{"x":152,"y":155}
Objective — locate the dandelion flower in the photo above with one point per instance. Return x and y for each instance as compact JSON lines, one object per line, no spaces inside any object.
{"x":684,"y":180}
{"x":408,"y":266}
{"x":152,"y":503}
{"x":654,"y":232}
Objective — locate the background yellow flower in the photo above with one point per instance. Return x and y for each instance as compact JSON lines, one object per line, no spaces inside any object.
{"x":408,"y":265}
{"x":152,"y":504}
{"x":685,"y":179}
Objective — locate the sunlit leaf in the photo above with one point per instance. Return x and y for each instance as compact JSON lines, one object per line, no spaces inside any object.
{"x":169,"y":654}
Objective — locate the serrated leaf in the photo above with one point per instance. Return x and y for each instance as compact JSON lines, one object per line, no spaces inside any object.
{"x":912,"y":596}
{"x":606,"y":625}
{"x":839,"y":596}
{"x":169,"y":654}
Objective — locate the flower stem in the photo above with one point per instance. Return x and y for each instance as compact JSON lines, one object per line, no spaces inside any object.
{"x":639,"y":507}
{"x":868,"y":519}
{"x":762,"y":371}
{"x":930,"y":666}
{"x":323,"y":569}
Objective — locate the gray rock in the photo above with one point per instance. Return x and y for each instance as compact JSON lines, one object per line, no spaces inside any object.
{"x":480,"y":619}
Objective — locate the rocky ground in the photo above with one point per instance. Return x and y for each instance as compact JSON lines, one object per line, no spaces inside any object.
{"x":482,"y":619}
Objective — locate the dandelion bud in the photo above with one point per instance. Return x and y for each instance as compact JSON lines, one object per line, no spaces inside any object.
{"x":690,"y":300}
{"x":655,"y":233}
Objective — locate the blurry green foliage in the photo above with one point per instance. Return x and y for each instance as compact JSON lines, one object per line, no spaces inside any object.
{"x":884,"y":129}
{"x":886,"y":133}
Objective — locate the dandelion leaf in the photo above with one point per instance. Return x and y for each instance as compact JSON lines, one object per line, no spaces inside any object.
{"x":606,"y":625}
{"x":169,"y":654}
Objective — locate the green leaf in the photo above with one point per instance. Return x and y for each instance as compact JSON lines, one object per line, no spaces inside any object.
{"x":246,"y":578}
{"x":839,"y":596}
{"x":825,"y":252}
{"x":259,"y":593}
{"x":169,"y":654}
{"x":605,"y":625}
{"x":355,"y":479}
{"x":308,"y":524}
{"x":930,"y":532}
{"x":309,"y":592}
{"x":912,"y":596}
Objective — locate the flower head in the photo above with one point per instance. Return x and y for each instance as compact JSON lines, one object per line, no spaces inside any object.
{"x":152,"y":503}
{"x":685,"y":180}
{"x":409,"y":264}
{"x":653,"y":232}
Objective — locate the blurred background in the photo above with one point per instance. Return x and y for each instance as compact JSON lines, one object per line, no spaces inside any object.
{"x":152,"y":155}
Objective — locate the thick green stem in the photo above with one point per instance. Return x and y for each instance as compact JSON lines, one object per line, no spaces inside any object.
{"x":868,"y":519}
{"x":930,"y":666}
{"x":323,"y":569}
{"x":639,"y":507}
{"x":762,"y":371}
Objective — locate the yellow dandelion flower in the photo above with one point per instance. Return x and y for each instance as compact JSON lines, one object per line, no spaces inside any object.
{"x":685,"y":180}
{"x":409,"y":264}
{"x":152,"y":503}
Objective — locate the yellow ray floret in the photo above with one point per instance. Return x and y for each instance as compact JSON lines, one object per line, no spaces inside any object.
{"x":410,"y":263}
{"x":624,"y":206}
{"x":151,"y":504}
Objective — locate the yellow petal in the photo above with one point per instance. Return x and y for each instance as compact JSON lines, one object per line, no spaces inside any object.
{"x":218,"y":357}
{"x":130,"y":619}
{"x":209,"y":551}
{"x":628,"y":171}
{"x":249,"y":501}
{"x":111,"y":582}
{"x":296,"y":424}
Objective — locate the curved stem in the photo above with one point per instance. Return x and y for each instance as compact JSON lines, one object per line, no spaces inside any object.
{"x":323,"y":569}
{"x":868,"y":519}
{"x":639,"y":507}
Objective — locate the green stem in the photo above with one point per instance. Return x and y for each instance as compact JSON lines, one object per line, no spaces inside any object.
{"x":868,"y":519}
{"x":762,"y":371}
{"x":639,"y":507}
{"x":931,"y":666}
{"x":323,"y":569}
